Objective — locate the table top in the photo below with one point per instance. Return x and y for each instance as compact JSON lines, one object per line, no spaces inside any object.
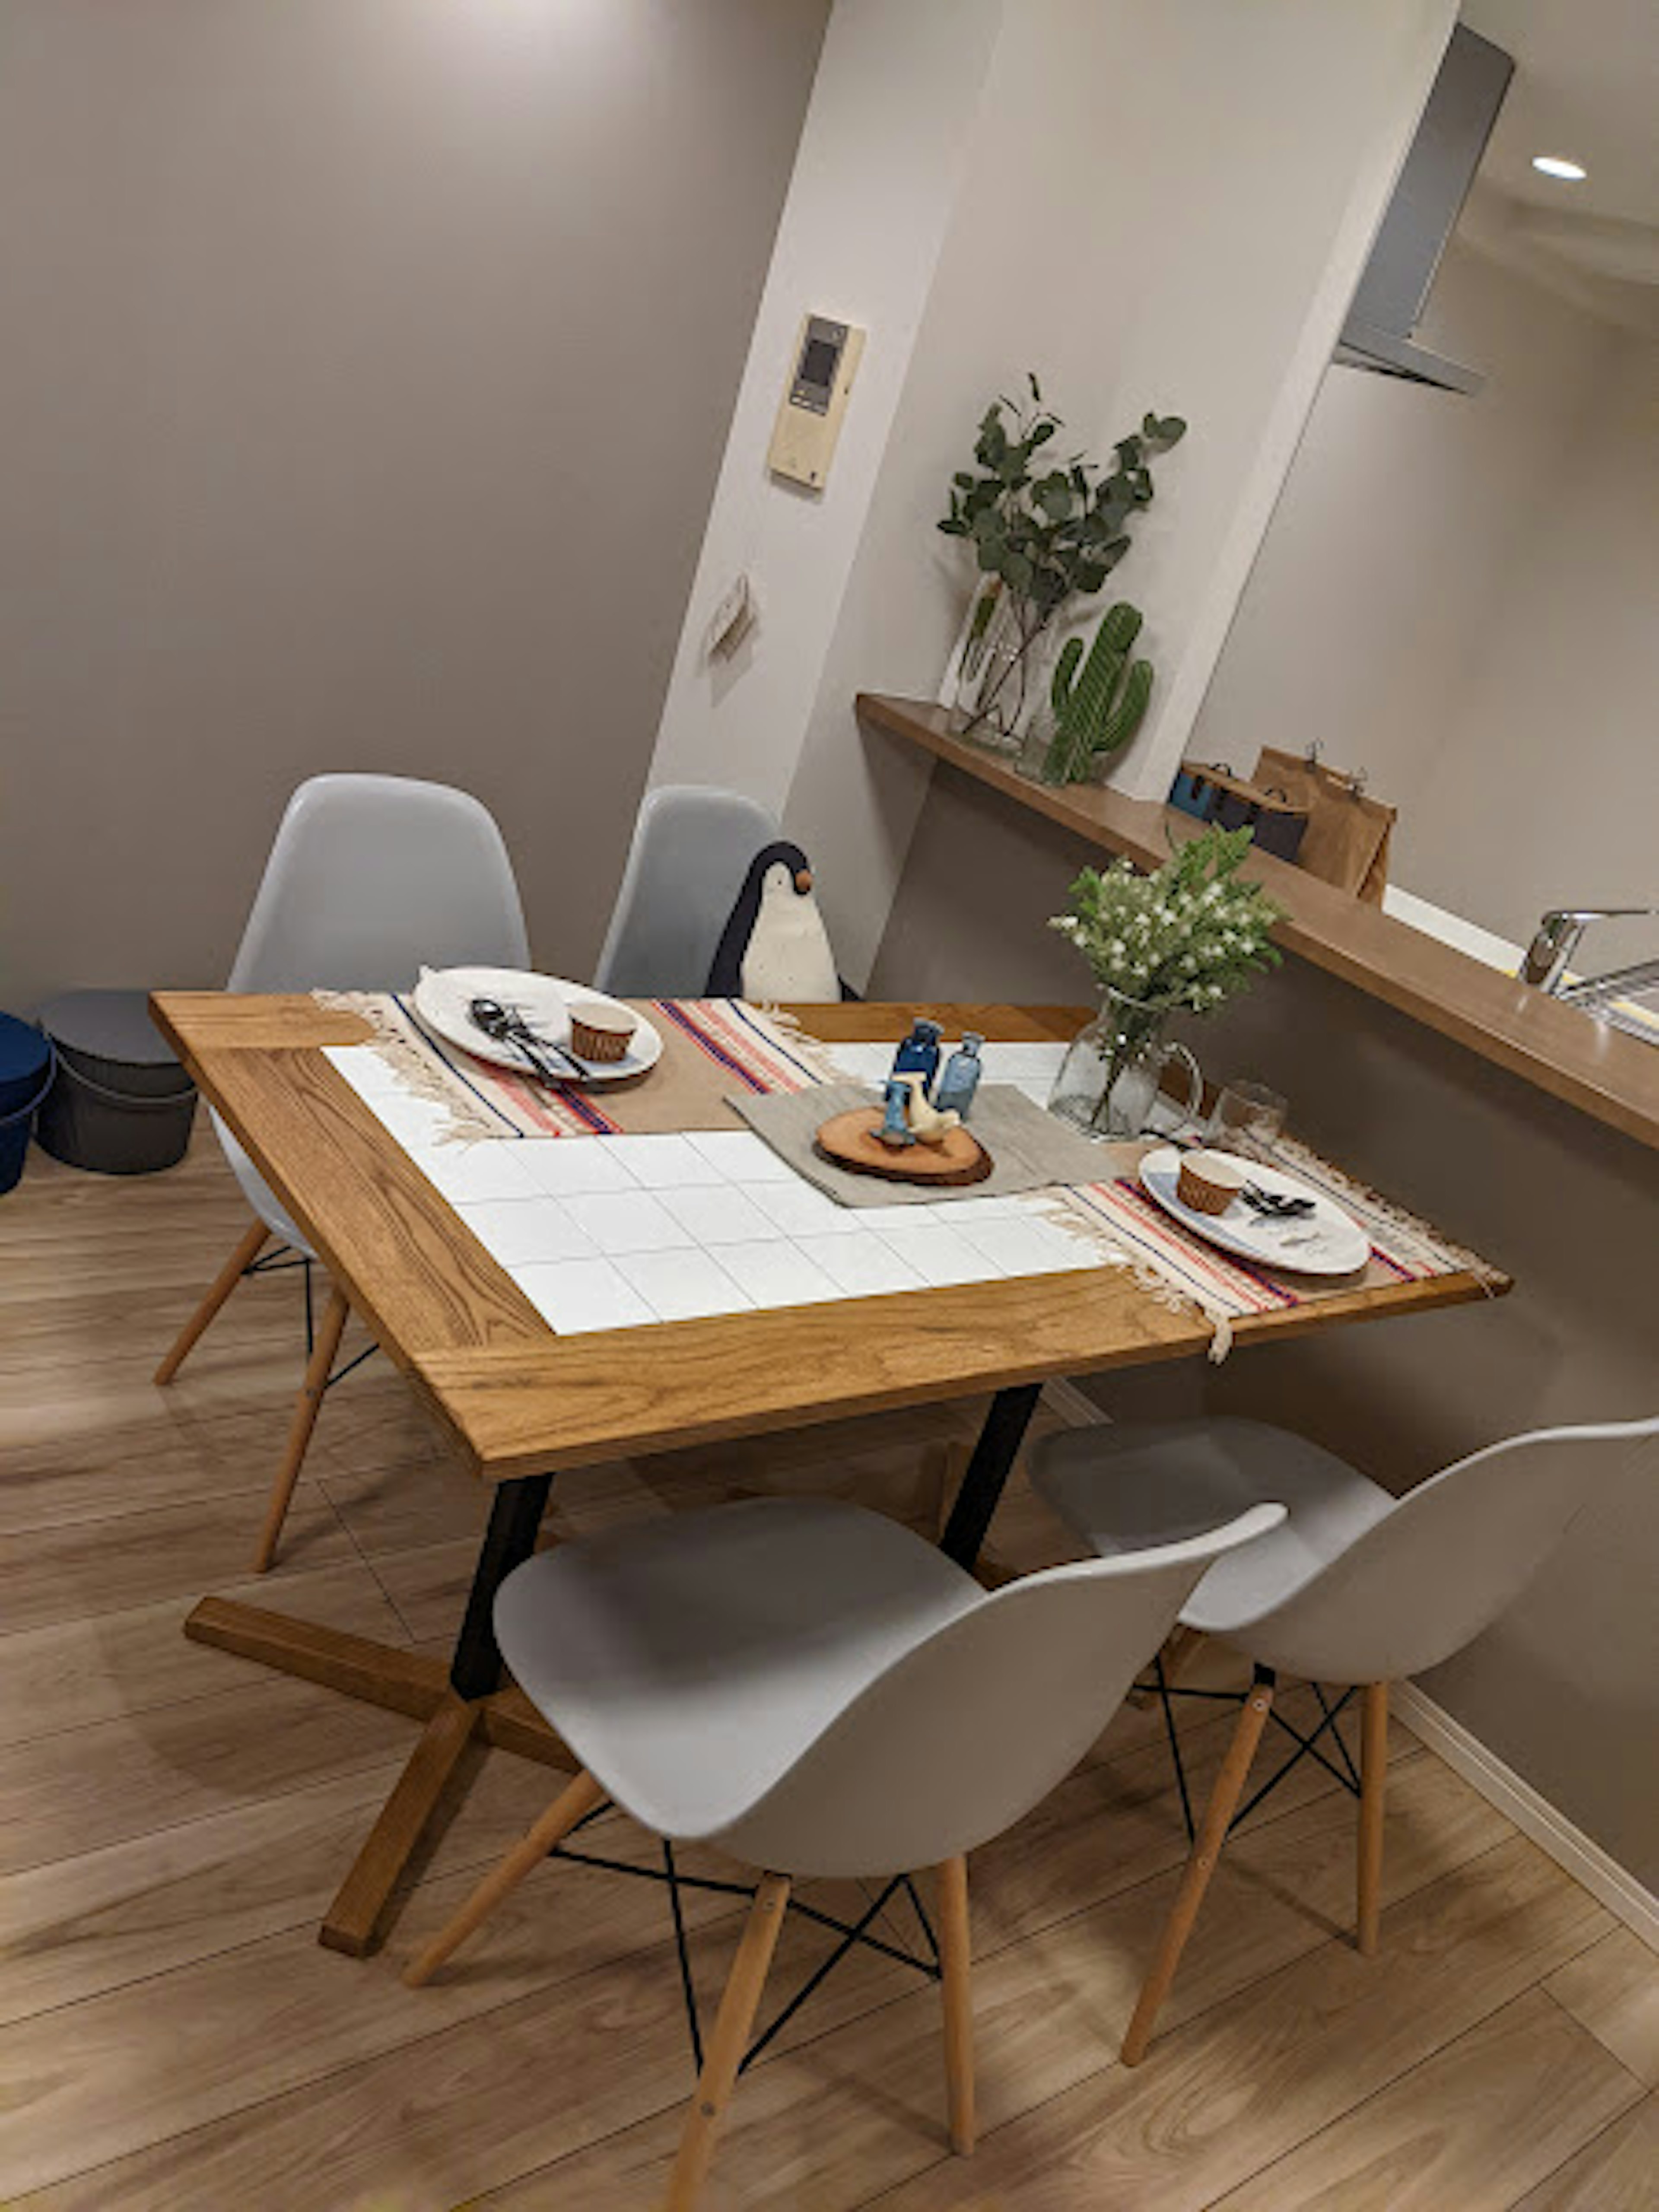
{"x":519,"y":1400}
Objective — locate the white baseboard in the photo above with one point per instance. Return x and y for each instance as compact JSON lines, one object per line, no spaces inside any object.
{"x":1573,"y":1851}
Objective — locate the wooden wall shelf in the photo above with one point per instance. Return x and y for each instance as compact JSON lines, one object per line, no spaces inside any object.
{"x":1598,"y":1069}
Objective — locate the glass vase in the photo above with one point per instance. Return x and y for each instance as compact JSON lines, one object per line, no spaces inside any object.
{"x":1113,"y":1073}
{"x":1014,"y":681}
{"x":1047,"y":756}
{"x":966,"y":670}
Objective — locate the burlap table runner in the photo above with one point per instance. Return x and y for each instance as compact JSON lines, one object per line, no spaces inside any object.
{"x":1030,"y":1149}
{"x":711,"y":1049}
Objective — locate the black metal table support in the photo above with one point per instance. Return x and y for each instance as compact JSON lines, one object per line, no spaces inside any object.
{"x":515,"y":1518}
{"x":988,"y":1470}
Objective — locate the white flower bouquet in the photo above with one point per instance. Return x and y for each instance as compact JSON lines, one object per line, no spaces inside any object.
{"x":1189,"y":937}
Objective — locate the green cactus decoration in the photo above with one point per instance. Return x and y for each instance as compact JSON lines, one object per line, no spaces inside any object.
{"x":1098,"y":705}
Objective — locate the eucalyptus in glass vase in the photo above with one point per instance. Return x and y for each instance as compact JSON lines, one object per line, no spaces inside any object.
{"x":1183,"y":940}
{"x":1048,"y":535}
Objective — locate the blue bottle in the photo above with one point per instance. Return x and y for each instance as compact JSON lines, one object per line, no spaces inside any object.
{"x":895,"y":1131}
{"x":960,"y":1080}
{"x":919,"y":1054}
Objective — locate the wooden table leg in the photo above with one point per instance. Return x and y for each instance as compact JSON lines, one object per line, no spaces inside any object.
{"x":475,"y":1676}
{"x":455,"y":1701}
{"x":354,"y":1915}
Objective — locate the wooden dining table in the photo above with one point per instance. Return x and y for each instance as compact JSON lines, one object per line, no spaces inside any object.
{"x":520,"y":1403}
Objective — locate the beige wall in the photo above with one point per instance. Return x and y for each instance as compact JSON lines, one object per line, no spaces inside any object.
{"x":1457,"y":594}
{"x":366,"y":371}
{"x":1546,"y":792}
{"x":1566,"y":1689}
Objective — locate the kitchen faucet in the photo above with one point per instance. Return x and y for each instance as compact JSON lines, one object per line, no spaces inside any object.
{"x":1556,"y":940}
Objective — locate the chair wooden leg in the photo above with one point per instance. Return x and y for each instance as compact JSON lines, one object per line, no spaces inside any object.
{"x":955,"y":1957}
{"x":306,"y":1410}
{"x":572,"y":1804}
{"x":1201,"y":1865}
{"x":729,"y":2042}
{"x":1373,"y":1781}
{"x":247,"y":1251}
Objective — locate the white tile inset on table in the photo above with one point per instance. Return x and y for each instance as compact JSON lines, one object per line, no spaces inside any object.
{"x":940,"y":1255}
{"x":466,"y":1173}
{"x":865,"y":1063}
{"x":411,"y":1121}
{"x":663,"y":1163}
{"x":566,"y":1167}
{"x":779,"y":1273}
{"x":863,"y":1267}
{"x":515,"y":1230}
{"x":718,"y":1214}
{"x":627,"y":1221}
{"x":1029,"y":1247}
{"x":576,"y":1296}
{"x":891,"y":1216}
{"x":681,"y":1286}
{"x":740,"y":1156}
{"x":370,"y":1073}
{"x":956,"y":1214}
{"x":798,"y":1209}
{"x":1029,"y":1068}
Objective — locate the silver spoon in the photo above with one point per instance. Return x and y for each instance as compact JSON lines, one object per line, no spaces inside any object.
{"x":506,"y":1027}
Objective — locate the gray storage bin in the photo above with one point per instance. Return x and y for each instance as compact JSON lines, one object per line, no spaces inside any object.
{"x":121,"y":1104}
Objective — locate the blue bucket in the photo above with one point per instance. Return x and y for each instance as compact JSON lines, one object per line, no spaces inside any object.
{"x":27,"y":1064}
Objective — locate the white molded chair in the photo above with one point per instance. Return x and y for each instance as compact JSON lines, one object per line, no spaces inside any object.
{"x":692,"y":850}
{"x":1354,"y":1586}
{"x":819,"y":1692}
{"x":370,"y":878}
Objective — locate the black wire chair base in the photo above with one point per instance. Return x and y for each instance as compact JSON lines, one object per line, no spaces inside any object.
{"x":278,"y":1262}
{"x":1307,"y":1747}
{"x":351,"y":1366}
{"x":851,"y":1933}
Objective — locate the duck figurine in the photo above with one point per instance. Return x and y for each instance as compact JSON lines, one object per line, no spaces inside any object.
{"x":775,"y":947}
{"x":926,"y":1123}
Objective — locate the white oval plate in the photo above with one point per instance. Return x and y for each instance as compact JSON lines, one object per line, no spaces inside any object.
{"x":444,"y":995}
{"x":1326,"y":1242}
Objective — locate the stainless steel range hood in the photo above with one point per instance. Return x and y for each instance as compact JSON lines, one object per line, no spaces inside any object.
{"x":1434,"y":183}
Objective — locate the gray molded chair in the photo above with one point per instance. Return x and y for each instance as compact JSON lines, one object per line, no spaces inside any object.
{"x":1355,"y":1586}
{"x":820,"y":1693}
{"x":692,"y":850}
{"x":370,"y":877}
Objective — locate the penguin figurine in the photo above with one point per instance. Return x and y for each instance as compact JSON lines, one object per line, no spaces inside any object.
{"x":775,"y":946}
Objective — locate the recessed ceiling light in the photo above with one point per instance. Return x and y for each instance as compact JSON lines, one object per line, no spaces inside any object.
{"x":1553,"y":165}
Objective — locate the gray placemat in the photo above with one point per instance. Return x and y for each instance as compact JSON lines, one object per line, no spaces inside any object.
{"x":1030,"y":1149}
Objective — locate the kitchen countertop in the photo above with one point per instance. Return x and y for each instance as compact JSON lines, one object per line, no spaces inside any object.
{"x":1587,"y":1063}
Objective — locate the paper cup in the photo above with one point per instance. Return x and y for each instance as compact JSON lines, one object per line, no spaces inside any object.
{"x":1210,"y":1181}
{"x":600,"y":1033}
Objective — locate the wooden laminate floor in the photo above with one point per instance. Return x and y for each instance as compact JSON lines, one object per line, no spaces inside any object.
{"x":172,"y":1822}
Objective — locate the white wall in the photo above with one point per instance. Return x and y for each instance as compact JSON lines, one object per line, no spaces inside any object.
{"x":1455,"y":594}
{"x":873,"y":188}
{"x":1151,"y":204}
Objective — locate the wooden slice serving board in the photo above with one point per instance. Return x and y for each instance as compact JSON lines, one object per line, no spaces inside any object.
{"x":849,"y":1141}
